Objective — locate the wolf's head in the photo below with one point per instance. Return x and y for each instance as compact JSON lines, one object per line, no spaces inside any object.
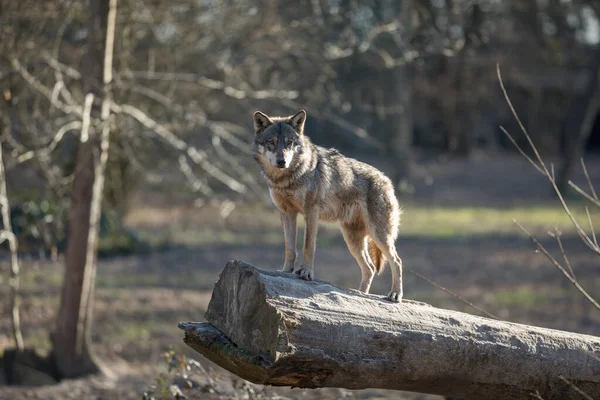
{"x":277,"y":140}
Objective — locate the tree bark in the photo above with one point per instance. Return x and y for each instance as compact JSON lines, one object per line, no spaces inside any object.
{"x":274,"y":329}
{"x":14,"y":281}
{"x":399,"y":125}
{"x":581,"y":127}
{"x":72,"y":351}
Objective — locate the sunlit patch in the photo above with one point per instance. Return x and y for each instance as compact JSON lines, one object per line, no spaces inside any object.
{"x":288,"y":156}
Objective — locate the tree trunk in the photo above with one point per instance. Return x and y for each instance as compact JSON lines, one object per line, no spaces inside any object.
{"x":580,"y":128}
{"x":274,"y":329}
{"x":8,"y":234}
{"x":399,"y":125}
{"x":72,"y":352}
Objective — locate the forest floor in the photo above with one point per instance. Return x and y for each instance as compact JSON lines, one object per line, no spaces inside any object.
{"x":457,"y":230}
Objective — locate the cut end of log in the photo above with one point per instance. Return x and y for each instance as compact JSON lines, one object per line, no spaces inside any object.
{"x":275,"y":329}
{"x":214,"y":345}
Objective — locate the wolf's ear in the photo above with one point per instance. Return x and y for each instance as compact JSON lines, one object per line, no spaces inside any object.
{"x":297,"y":122}
{"x":261,"y":121}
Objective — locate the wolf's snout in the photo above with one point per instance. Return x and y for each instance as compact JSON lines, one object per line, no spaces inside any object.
{"x":281,"y":163}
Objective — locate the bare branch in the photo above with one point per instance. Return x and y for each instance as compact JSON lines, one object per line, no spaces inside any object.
{"x":342,"y":123}
{"x":239,"y":169}
{"x":71,"y":126}
{"x":137,"y":164}
{"x":584,"y":194}
{"x":509,"y":136}
{"x":575,"y":388}
{"x":557,"y":235}
{"x":217,"y":128}
{"x":213,"y":84}
{"x":467,"y":302}
{"x":45,"y":91}
{"x":57,"y":65}
{"x":7,"y":234}
{"x":197,"y":156}
{"x":196,"y":183}
{"x":544,"y":170}
{"x":558,"y":265}
{"x":60,"y":86}
{"x":536,"y":395}
{"x":587,"y":211}
{"x":587,"y":177}
{"x":85,"y":123}
{"x":593,"y":355}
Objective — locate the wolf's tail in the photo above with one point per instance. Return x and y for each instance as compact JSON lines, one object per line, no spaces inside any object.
{"x":376,"y":256}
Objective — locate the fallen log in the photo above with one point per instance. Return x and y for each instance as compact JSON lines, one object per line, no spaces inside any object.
{"x":274,"y":329}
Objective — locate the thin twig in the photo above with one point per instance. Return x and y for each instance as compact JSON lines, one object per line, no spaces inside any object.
{"x":216,"y":128}
{"x":587,"y":177}
{"x":544,"y":170}
{"x":73,"y":125}
{"x":584,"y":194}
{"x":587,"y":211}
{"x":66,"y":69}
{"x":235,"y":165}
{"x":193,"y":180}
{"x":340,"y":122}
{"x":213,"y":84}
{"x":150,"y":176}
{"x":60,"y":83}
{"x":46,"y":91}
{"x":592,"y":355}
{"x":558,"y":265}
{"x":557,"y":235}
{"x":575,"y":388}
{"x":451,"y":293}
{"x":199,"y":157}
{"x":536,"y":395}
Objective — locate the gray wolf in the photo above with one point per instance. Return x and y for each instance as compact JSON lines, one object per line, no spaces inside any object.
{"x":323,"y":184}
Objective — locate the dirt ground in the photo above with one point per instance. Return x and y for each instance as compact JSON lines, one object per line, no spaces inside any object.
{"x":141,"y":298}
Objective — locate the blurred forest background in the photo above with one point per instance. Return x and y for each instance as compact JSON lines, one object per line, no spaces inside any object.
{"x":142,"y":153}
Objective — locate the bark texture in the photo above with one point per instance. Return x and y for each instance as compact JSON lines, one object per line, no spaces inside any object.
{"x":580,"y":120}
{"x":274,"y":329}
{"x":72,"y":340}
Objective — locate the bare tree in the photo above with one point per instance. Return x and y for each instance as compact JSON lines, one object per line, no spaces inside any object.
{"x":579,"y":123}
{"x":72,"y":339}
{"x":8,"y":235}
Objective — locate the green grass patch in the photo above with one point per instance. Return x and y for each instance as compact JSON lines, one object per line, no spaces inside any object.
{"x":254,"y":224}
{"x":525,"y":296}
{"x":445,"y":222}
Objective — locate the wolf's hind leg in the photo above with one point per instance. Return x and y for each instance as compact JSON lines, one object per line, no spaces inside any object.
{"x":355,"y":235}
{"x":386,"y":243}
{"x":288,"y":221}
{"x":389,"y":252}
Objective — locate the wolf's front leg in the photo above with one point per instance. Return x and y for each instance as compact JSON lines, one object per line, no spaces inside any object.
{"x":288,"y":220}
{"x":307,"y":270}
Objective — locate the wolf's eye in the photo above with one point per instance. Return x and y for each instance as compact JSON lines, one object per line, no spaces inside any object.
{"x":271,"y":142}
{"x":288,"y":143}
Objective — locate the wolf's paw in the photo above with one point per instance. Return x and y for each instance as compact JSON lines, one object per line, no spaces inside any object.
{"x":394,"y":297}
{"x":305,"y":273}
{"x":287,"y":268}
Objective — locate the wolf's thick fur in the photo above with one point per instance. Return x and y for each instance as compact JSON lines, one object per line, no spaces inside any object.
{"x":323,"y":184}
